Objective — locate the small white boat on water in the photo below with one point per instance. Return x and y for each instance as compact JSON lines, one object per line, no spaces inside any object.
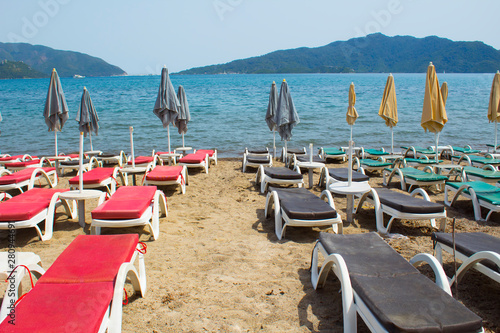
{"x":76,"y":76}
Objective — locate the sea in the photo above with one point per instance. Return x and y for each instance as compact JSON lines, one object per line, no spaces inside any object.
{"x":228,"y":112}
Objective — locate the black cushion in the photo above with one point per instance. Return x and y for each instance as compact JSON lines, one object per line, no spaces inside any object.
{"x":282,"y":173}
{"x":300,"y":204}
{"x":296,"y":151}
{"x":306,"y":158}
{"x":108,"y":155}
{"x":401,"y":298}
{"x":406,"y":203}
{"x":469,"y":243}
{"x":74,"y":162}
{"x":258,"y":159}
{"x":258,"y":151}
{"x":341,"y":174}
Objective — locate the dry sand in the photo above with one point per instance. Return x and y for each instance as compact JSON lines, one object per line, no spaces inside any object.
{"x":218,"y":266}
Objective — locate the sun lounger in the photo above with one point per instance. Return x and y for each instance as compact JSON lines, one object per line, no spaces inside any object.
{"x":83,"y":290}
{"x":413,"y":177}
{"x":30,"y":163}
{"x":422,"y":161}
{"x":130,"y":206}
{"x":290,"y":152}
{"x":120,"y":159}
{"x":196,"y":160}
{"x":450,"y":151}
{"x":26,"y":178}
{"x":168,"y":175}
{"x":475,"y":249}
{"x":29,"y":209}
{"x":332,"y":153}
{"x":416,"y":151}
{"x":278,"y":176}
{"x":256,"y":151}
{"x":402,"y":206}
{"x":15,"y":158}
{"x":475,"y":160}
{"x":98,"y":177}
{"x":75,"y":165}
{"x":481,"y":194}
{"x":340,"y":174}
{"x":251,"y":160}
{"x":487,"y":174}
{"x":212,"y":154}
{"x":371,"y":165}
{"x":297,"y":207}
{"x":372,"y":153}
{"x":387,"y":292}
{"x":144,"y":161}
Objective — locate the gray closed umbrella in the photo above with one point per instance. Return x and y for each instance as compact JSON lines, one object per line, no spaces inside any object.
{"x":56,"y":109}
{"x":87,"y":117}
{"x":286,"y":115}
{"x":166,"y":106}
{"x":271,"y":114}
{"x":183,"y":117}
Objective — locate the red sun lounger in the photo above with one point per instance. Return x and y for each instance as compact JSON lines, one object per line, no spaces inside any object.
{"x":168,"y":175}
{"x":29,"y":209}
{"x":98,"y":177}
{"x":130,"y":206}
{"x":196,"y":160}
{"x":83,"y":289}
{"x":212,"y":154}
{"x":26,"y":177}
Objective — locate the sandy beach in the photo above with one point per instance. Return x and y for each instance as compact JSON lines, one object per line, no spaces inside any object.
{"x":218,"y":266}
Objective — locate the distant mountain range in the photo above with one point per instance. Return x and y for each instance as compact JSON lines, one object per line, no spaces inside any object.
{"x":18,"y":70}
{"x":375,"y":53}
{"x":67,"y":63}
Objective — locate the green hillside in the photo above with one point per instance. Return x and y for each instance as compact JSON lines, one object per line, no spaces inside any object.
{"x":374,"y":53}
{"x":18,"y":70}
{"x":67,"y":63}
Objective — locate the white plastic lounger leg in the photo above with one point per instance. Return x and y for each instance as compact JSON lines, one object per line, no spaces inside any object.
{"x":440,"y":275}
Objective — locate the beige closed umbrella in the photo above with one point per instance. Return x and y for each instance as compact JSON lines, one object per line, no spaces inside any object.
{"x":351,"y":117}
{"x":389,"y":107}
{"x":493,"y":107}
{"x":433,"y":113}
{"x":444,"y":92}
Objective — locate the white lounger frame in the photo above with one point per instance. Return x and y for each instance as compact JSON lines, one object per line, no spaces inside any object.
{"x":37,"y":174}
{"x":26,"y":157}
{"x":264,"y":180}
{"x":476,"y":202}
{"x":473,"y":261}
{"x":380,"y":209}
{"x":40,"y":164}
{"x":396,"y":172}
{"x":324,"y":176}
{"x":109,"y":183}
{"x":205,"y":164}
{"x":121,"y":159}
{"x":246,"y":163}
{"x":280,"y":215}
{"x":86,"y":166}
{"x":324,"y":156}
{"x":46,"y":215}
{"x":151,"y":217}
{"x":212,"y":158}
{"x":352,"y":304}
{"x":182,"y":180}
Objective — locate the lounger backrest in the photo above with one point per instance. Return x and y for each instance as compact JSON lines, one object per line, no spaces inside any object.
{"x":128,"y":202}
{"x":26,"y":205}
{"x":210,"y":152}
{"x":142,"y":160}
{"x":402,"y":299}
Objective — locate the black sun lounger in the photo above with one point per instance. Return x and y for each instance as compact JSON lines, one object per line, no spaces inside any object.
{"x":341,"y":175}
{"x":475,"y":249}
{"x":389,"y":294}
{"x":298,"y":207}
{"x":277,"y":175}
{"x":402,"y":206}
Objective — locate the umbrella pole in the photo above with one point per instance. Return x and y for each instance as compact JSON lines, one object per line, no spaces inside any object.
{"x":183,"y":140}
{"x":437,"y":150}
{"x":131,"y":129}
{"x":168,"y":134}
{"x":80,"y":165}
{"x":90,"y":138}
{"x":286,"y":153}
{"x":349,"y":174}
{"x":392,"y":141}
{"x":495,"y":149}
{"x":351,"y":134}
{"x":274,"y":144}
{"x":55,"y":136}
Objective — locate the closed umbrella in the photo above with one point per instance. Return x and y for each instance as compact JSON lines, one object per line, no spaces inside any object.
{"x":286,"y":115}
{"x":433,"y":112}
{"x":56,"y":109}
{"x":444,"y":92}
{"x":271,"y":114}
{"x":183,"y":117}
{"x":166,"y":106}
{"x":351,"y":117}
{"x":493,"y":107}
{"x":389,"y":107}
{"x":87,"y":117}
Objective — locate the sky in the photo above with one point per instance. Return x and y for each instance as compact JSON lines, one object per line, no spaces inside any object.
{"x":142,"y":36}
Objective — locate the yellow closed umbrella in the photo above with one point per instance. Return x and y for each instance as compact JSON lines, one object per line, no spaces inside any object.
{"x":493,"y":107}
{"x":352,"y":114}
{"x":389,"y":107}
{"x":433,"y":112}
{"x":444,"y":92}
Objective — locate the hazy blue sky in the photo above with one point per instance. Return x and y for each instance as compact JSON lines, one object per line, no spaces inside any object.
{"x":142,"y":36}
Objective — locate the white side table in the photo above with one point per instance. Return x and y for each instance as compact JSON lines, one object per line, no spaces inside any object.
{"x":170,"y":157}
{"x":310,"y":166}
{"x":133,"y":172}
{"x":356,"y":188}
{"x":81,"y":197}
{"x":183,"y":150}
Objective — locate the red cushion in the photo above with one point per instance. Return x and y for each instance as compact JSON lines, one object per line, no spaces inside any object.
{"x":164,"y":152}
{"x":91,"y":258}
{"x":94,"y":176}
{"x":193,"y":158}
{"x":52,"y":307}
{"x":20,"y":176}
{"x":10,"y":158}
{"x":128,"y":202}
{"x":26,"y":205}
{"x":21,"y":164}
{"x":206,"y":151}
{"x":165,"y":173}
{"x":142,"y":160}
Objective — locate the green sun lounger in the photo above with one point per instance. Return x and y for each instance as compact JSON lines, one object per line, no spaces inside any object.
{"x":482,"y":195}
{"x":415,"y":162}
{"x":473,"y":160}
{"x":365,"y":153}
{"x":488,"y":176}
{"x":371,"y":165}
{"x":413,"y":177}
{"x":334,"y":153}
{"x":418,"y":151}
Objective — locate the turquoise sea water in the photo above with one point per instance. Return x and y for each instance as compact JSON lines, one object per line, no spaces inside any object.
{"x":228,"y":111}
